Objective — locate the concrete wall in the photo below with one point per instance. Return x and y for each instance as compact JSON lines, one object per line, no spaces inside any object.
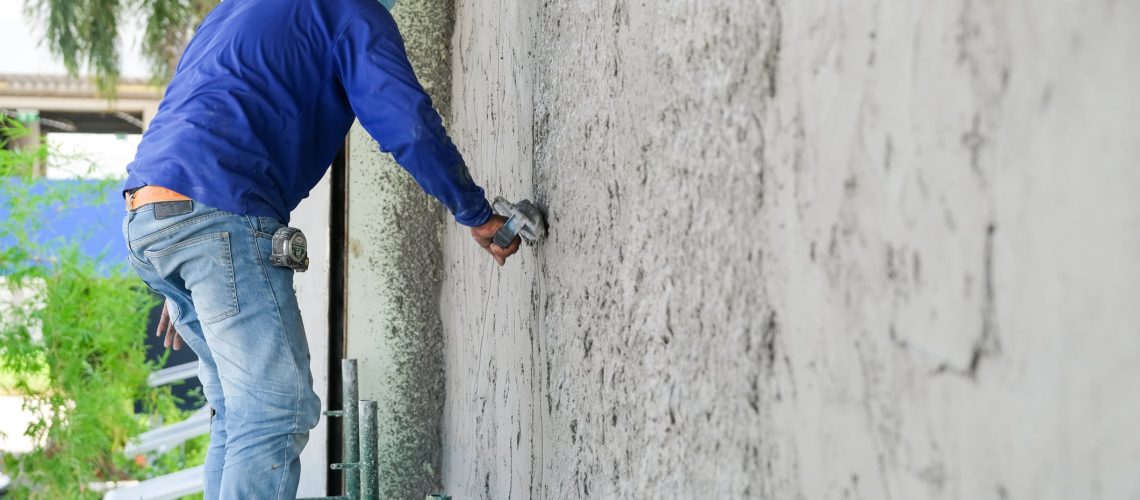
{"x":811,"y":250}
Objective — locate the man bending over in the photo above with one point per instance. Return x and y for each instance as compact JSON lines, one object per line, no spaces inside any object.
{"x":257,"y":109}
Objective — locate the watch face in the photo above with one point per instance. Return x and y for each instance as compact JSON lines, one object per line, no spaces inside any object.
{"x":388,"y":4}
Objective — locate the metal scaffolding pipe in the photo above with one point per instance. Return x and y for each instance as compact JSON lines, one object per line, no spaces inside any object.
{"x":369,"y":467}
{"x":351,"y":424}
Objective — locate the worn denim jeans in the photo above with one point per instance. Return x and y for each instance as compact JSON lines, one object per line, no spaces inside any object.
{"x":239,"y":314}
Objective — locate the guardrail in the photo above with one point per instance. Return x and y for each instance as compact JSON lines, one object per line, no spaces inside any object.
{"x":172,"y":374}
{"x":177,"y":484}
{"x":168,"y":487}
{"x":166,"y":437}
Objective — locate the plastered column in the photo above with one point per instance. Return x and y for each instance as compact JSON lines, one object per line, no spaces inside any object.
{"x":394,"y":270}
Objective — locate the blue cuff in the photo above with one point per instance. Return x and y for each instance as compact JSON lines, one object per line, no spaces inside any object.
{"x":475,"y":217}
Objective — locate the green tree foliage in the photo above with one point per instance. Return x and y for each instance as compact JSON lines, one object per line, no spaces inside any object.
{"x":83,"y":33}
{"x":82,"y":331}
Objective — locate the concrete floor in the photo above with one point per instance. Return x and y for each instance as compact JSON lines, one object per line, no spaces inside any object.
{"x":812,"y":250}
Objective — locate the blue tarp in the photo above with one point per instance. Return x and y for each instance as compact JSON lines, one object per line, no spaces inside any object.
{"x":94,"y":222}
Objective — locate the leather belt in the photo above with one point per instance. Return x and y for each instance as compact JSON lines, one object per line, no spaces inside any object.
{"x":151,"y":194}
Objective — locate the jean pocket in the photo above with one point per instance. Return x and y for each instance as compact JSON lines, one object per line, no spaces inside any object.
{"x":204,"y":266}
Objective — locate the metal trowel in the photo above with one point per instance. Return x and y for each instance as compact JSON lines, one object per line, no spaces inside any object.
{"x":523,"y":219}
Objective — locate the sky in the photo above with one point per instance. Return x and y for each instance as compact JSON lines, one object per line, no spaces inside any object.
{"x":23,"y":53}
{"x":91,"y":156}
{"x":103,"y":155}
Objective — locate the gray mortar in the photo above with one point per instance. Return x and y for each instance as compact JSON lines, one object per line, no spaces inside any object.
{"x":799,"y":250}
{"x":394,"y":277}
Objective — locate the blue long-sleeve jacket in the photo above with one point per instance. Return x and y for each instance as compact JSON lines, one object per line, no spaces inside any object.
{"x":265,"y":94}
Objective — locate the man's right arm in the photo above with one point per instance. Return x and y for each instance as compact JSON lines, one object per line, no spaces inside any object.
{"x":392,"y":105}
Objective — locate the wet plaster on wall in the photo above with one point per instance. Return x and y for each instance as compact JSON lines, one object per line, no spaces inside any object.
{"x":394,"y":274}
{"x":799,"y":250}
{"x":490,"y":346}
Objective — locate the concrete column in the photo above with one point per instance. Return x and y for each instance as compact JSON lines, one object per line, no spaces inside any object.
{"x":30,"y":118}
{"x":394,"y":272}
{"x":148,"y":113}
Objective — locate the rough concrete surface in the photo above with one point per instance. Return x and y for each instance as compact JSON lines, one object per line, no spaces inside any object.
{"x":817,"y":250}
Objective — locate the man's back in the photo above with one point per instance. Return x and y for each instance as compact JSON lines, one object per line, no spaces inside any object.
{"x":265,"y":93}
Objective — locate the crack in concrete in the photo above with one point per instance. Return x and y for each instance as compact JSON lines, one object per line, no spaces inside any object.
{"x":987,"y":344}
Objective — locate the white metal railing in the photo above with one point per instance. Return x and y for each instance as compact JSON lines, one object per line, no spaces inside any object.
{"x":170,"y":486}
{"x":166,"y":437}
{"x":177,"y":484}
{"x":173,"y":374}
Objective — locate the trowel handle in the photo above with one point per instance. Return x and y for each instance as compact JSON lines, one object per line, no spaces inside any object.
{"x":524,"y":220}
{"x":506,"y":234}
{"x":502,"y":206}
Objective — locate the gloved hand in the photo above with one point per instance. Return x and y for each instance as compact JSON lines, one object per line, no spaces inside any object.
{"x":484,"y":234}
{"x":166,"y":326}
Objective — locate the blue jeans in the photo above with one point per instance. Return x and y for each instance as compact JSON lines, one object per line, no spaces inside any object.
{"x":239,"y":314}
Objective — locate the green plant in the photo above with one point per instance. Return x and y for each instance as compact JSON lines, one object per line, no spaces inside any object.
{"x":73,"y":347}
